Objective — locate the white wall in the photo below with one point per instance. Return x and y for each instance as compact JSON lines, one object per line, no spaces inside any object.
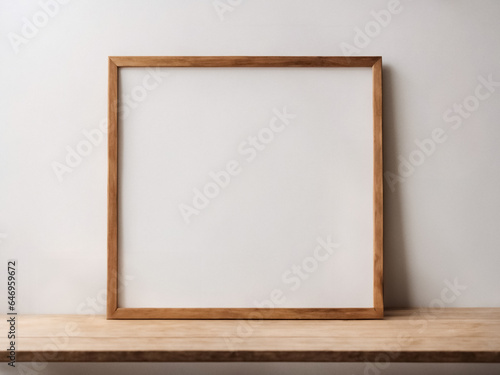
{"x":441,"y":217}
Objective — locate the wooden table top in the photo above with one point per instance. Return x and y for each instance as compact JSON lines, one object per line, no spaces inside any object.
{"x":404,"y":335}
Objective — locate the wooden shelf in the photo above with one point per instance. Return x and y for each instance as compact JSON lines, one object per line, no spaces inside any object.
{"x":405,"y":335}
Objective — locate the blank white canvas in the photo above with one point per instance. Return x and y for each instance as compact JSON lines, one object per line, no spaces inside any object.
{"x":257,"y":240}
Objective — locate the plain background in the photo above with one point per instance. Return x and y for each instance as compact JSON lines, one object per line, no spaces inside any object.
{"x":441,"y":219}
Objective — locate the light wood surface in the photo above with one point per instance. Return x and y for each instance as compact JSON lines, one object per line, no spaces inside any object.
{"x":113,"y":306}
{"x":409,"y":335}
{"x":244,"y":61}
{"x":378,"y":191}
{"x":112,"y":287}
{"x":246,"y":313}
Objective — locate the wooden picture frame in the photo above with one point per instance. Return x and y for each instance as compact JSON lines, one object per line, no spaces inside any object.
{"x":116,"y":312}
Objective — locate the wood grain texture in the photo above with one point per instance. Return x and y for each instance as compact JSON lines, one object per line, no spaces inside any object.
{"x":378,"y":191}
{"x":112,"y":289}
{"x":244,"y":61}
{"x":405,"y":335}
{"x":245,"y":313}
{"x":113,"y":310}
